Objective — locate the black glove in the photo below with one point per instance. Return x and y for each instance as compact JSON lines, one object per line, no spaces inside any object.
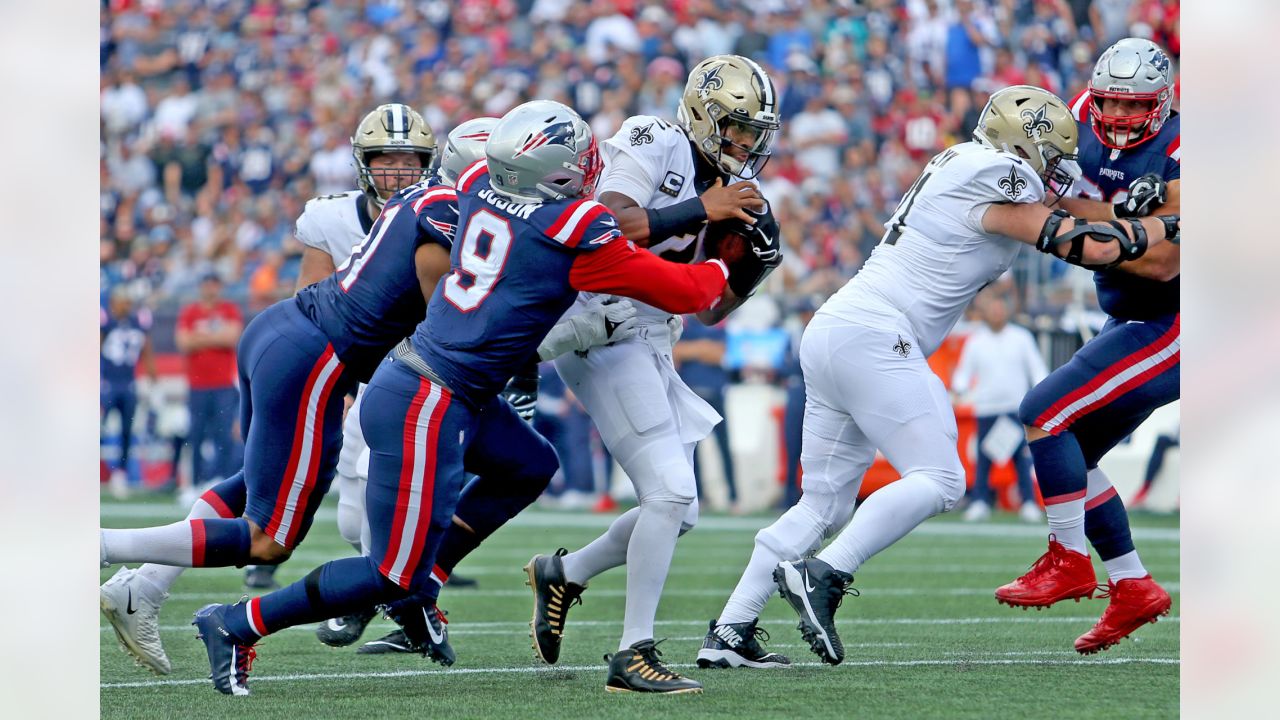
{"x":522,"y":393}
{"x":1145,"y":195}
{"x":766,"y":252}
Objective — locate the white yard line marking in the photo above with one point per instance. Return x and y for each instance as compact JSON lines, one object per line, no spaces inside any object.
{"x":499,"y":628}
{"x":553,"y":669}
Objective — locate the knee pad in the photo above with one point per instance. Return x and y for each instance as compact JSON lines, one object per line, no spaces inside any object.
{"x":350,"y":507}
{"x":951,"y":485}
{"x":671,"y":480}
{"x":690,"y":517}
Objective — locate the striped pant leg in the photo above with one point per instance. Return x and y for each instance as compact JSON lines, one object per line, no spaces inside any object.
{"x":296,"y":387}
{"x":418,"y":435}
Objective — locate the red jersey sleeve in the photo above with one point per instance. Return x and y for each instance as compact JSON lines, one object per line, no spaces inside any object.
{"x":617,"y":267}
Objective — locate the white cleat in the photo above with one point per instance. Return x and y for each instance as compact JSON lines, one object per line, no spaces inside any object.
{"x":1030,"y":513}
{"x":135,"y":619}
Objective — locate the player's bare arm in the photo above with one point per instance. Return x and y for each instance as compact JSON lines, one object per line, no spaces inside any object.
{"x":1092,"y":245}
{"x":316,"y":266}
{"x":432,"y":263}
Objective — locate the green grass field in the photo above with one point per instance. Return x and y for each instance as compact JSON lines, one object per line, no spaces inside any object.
{"x":925,"y":639}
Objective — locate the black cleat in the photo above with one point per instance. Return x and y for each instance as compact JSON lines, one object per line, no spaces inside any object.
{"x":637,"y":669}
{"x":345,"y":630}
{"x":459,"y":581}
{"x":261,"y":577}
{"x":552,"y":598}
{"x":815,"y":589}
{"x":423,"y":630}
{"x":738,"y":645}
{"x":395,"y":641}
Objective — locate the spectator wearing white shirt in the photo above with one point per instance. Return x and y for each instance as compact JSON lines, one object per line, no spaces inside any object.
{"x":998,"y":365}
{"x":332,"y":167}
{"x":817,"y":134}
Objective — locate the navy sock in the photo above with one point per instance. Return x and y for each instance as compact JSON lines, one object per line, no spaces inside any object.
{"x":1061,"y":473}
{"x":1106,"y":524}
{"x":334,"y":589}
{"x":220,"y":542}
{"x":228,"y":496}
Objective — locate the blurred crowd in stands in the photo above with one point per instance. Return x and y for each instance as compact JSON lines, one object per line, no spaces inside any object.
{"x":220,"y":118}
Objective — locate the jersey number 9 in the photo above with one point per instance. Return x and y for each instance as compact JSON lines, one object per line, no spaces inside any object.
{"x":481,"y":257}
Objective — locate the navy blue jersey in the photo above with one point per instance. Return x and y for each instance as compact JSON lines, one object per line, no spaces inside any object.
{"x":510,"y":282}
{"x":1107,"y":174}
{"x":374,"y":299}
{"x":122,"y":343}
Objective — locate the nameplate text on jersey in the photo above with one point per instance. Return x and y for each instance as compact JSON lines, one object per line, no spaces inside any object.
{"x":520,"y":210}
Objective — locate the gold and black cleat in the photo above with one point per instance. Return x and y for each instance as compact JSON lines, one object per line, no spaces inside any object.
{"x":552,"y":598}
{"x":637,"y":669}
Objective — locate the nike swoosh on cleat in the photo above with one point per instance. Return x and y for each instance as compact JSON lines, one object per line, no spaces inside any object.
{"x":807,"y":586}
{"x":128,"y":606}
{"x":336,"y":625}
{"x":437,"y":638}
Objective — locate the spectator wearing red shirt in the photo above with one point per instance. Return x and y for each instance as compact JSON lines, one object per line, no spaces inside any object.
{"x":207,"y":333}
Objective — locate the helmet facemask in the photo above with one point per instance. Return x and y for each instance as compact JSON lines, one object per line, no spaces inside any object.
{"x":387,"y":181}
{"x":1125,"y":131}
{"x":1060,"y":171}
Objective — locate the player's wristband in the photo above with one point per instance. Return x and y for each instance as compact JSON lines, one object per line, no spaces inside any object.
{"x":679,"y":219}
{"x":1172,"y":228}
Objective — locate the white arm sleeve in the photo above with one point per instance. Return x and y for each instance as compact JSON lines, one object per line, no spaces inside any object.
{"x":624,"y":174}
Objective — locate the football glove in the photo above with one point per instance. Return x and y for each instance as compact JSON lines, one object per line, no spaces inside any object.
{"x":1145,"y":195}
{"x":521,"y":393}
{"x":602,"y":322}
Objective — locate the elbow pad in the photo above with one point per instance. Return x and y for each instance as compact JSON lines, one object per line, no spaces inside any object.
{"x":1110,"y":231}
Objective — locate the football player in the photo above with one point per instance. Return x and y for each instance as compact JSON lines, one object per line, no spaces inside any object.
{"x":297,"y":360}
{"x":868,"y":385}
{"x":1130,"y":160}
{"x":329,"y":227}
{"x":665,"y":182}
{"x":528,"y":240}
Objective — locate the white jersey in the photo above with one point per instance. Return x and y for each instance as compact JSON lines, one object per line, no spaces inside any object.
{"x":661,"y":174}
{"x":335,"y":224}
{"x":936,"y":256}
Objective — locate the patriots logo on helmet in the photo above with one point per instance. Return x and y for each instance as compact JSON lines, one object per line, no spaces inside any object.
{"x":560,"y":133}
{"x":1012,"y":185}
{"x":1036,"y":121}
{"x":710,"y":80}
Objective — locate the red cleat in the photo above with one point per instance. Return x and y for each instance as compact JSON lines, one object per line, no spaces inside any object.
{"x":1134,"y":603}
{"x":1059,"y":574}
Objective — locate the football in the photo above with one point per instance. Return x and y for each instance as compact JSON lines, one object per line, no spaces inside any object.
{"x":724,"y":241}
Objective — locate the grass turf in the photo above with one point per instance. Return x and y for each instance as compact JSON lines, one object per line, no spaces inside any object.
{"x":925,"y":639}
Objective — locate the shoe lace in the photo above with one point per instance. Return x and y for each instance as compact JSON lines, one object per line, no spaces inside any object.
{"x":441,"y":615}
{"x":839,"y":590}
{"x":1046,"y":562}
{"x":650,"y":657}
{"x":248,"y":653}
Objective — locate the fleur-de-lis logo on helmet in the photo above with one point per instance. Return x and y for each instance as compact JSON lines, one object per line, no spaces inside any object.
{"x":1036,"y":121}
{"x":710,"y":80}
{"x":1011,"y":184}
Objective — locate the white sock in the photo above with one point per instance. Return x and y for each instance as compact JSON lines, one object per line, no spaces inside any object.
{"x":883,"y":518}
{"x":653,"y":544}
{"x":1125,"y":567}
{"x":167,"y":544}
{"x":161,"y":577}
{"x":1066,"y":523}
{"x":754,"y":588}
{"x":605,"y":552}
